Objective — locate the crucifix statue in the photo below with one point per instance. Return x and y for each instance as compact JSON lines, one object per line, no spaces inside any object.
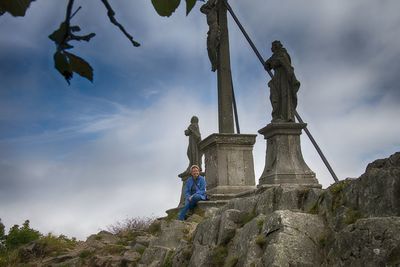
{"x":218,"y":53}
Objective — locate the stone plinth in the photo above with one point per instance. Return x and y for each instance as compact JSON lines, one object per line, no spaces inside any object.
{"x":229,"y":163}
{"x":284,"y":163}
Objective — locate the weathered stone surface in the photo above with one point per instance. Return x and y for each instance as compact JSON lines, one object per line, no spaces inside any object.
{"x":368,"y":242}
{"x":171,"y":234}
{"x":376,"y":193}
{"x":207,"y":231}
{"x":352,"y":223}
{"x":200,"y":255}
{"x":244,"y":247}
{"x":292,"y":239}
{"x":104,"y":236}
{"x":154,"y":256}
{"x":144,"y":239}
{"x":284,"y":163}
{"x":131,"y":256}
{"x":230,"y":221}
{"x":229,"y":162}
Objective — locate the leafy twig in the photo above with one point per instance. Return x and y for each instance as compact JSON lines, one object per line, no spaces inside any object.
{"x":111,"y":16}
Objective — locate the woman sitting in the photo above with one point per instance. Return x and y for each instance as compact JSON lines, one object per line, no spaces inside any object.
{"x":195,"y":190}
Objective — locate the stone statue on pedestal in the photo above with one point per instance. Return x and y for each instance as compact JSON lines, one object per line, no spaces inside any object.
{"x":193,"y":150}
{"x":193,"y":153}
{"x":284,"y":162}
{"x":213,"y":35}
{"x":283,"y":86}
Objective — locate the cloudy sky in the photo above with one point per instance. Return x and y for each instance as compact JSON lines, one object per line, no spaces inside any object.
{"x":74,"y":159}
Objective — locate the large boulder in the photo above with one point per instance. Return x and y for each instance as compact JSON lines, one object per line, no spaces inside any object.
{"x":368,"y":242}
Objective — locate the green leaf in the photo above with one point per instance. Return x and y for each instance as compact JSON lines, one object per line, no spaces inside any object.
{"x":17,"y":8}
{"x":165,"y":8}
{"x":189,"y":6}
{"x":58,"y":35}
{"x":63,"y":66}
{"x":80,"y":66}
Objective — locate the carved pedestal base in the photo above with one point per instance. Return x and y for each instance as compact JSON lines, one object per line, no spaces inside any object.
{"x":284,"y":163}
{"x":229,"y":163}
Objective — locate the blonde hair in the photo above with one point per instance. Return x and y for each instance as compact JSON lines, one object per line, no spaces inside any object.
{"x":194,"y":166}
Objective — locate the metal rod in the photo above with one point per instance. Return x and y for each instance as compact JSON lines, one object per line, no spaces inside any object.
{"x":271,"y":75}
{"x":235,"y":110}
{"x":317,"y":148}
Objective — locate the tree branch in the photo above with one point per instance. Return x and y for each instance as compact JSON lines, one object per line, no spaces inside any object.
{"x":111,"y":16}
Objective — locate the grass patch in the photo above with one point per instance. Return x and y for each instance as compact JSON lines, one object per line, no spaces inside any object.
{"x":154,"y":228}
{"x":338,"y":187}
{"x":168,"y":259}
{"x":261,"y":240}
{"x":351,"y":216}
{"x":173,"y":215}
{"x":218,"y":256}
{"x":314,"y":209}
{"x":84,"y":254}
{"x":231,"y":261}
{"x":53,"y":246}
{"x":247,"y":217}
{"x":260,"y":224}
{"x":141,"y":250}
{"x":113,"y":249}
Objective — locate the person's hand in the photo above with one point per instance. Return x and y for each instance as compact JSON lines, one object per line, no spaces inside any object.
{"x":190,"y":198}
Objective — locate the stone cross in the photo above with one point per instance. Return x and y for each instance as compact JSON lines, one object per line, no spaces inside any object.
{"x":218,"y":36}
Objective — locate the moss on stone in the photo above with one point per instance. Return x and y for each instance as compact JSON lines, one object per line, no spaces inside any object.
{"x":231,"y":261}
{"x":261,"y":240}
{"x":260,"y":224}
{"x":168,"y":259}
{"x":154,"y":228}
{"x":338,"y":187}
{"x":351,"y":216}
{"x":218,"y":256}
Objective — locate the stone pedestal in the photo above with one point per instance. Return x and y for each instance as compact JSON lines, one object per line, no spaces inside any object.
{"x":284,"y":163}
{"x":229,"y":163}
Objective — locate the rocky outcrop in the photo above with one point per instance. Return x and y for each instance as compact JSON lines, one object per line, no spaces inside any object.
{"x":355,"y":222}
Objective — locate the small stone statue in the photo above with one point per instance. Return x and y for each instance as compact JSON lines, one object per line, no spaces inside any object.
{"x":193,"y":150}
{"x":283,"y":86}
{"x":210,"y":9}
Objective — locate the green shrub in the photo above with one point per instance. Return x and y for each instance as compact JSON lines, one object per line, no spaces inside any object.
{"x":53,"y":245}
{"x":154,"y":228}
{"x":18,"y":236}
{"x":129,"y":226}
{"x":86,"y":254}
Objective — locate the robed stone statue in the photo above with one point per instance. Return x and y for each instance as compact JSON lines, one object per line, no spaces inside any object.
{"x":210,"y":9}
{"x":193,"y":150}
{"x":283,"y":85}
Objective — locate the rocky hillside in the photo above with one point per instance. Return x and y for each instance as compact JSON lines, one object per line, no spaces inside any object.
{"x":352,"y":223}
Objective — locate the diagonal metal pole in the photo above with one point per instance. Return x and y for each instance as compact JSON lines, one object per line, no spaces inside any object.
{"x":271,"y":75}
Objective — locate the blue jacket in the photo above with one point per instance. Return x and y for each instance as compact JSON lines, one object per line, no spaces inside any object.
{"x":199,"y":188}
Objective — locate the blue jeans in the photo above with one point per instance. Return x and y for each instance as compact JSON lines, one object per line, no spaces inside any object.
{"x":188,"y":205}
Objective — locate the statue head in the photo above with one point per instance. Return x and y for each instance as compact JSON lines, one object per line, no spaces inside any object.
{"x":194,"y":119}
{"x":276,"y":46}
